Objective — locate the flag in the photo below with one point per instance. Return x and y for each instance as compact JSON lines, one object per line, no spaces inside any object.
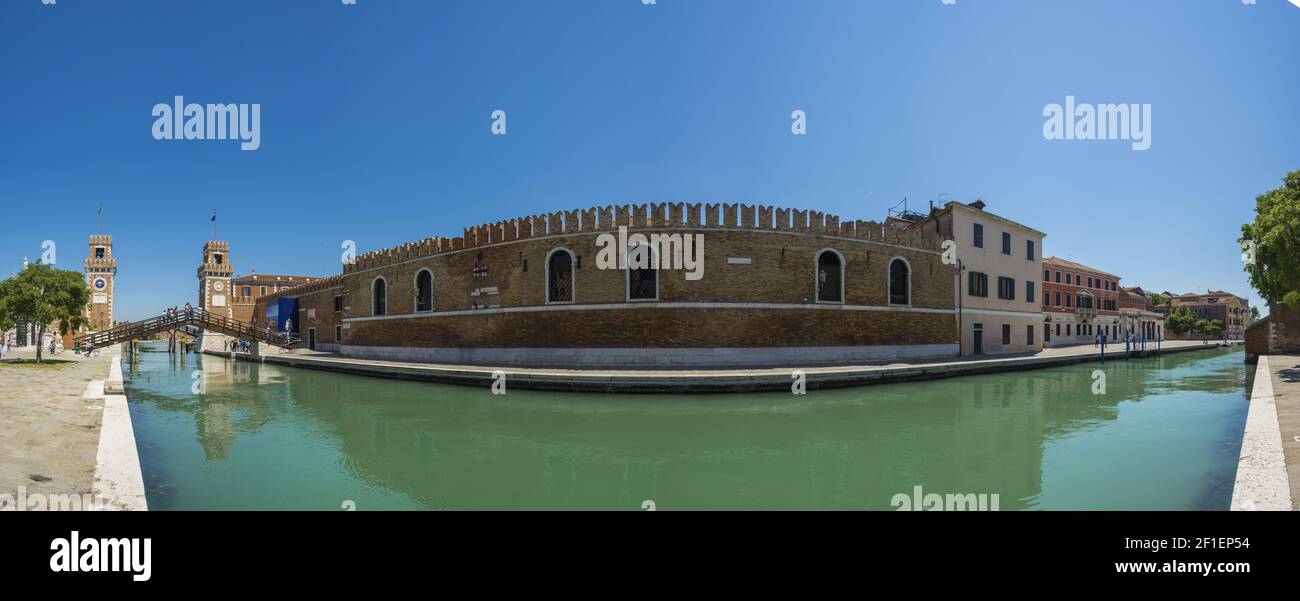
{"x":214,"y":215}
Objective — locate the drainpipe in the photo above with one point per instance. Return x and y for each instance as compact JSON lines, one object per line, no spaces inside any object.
{"x":960,"y":333}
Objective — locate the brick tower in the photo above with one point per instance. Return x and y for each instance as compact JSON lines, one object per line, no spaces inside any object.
{"x":101,"y":276}
{"x":214,"y":289}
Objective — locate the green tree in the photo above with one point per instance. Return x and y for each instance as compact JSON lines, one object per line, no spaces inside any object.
{"x":1180,"y":322}
{"x":1157,"y":298}
{"x":43,"y":295}
{"x":1254,"y":314}
{"x":1274,"y":240}
{"x":1213,"y":329}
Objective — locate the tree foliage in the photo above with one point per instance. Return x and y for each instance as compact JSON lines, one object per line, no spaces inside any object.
{"x":1180,"y":321}
{"x":1275,"y":237}
{"x":42,"y":295}
{"x":1213,"y":329}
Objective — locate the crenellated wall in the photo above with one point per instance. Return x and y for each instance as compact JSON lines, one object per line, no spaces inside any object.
{"x":645,"y":216}
{"x":756,"y":303}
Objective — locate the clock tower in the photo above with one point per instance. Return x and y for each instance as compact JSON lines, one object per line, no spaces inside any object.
{"x":214,"y":289}
{"x":101,"y":276}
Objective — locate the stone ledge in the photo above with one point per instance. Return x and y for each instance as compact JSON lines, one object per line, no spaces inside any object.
{"x":1262,"y":483}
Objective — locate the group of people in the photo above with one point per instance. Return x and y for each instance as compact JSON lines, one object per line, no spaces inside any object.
{"x":238,"y":346}
{"x":174,"y":313}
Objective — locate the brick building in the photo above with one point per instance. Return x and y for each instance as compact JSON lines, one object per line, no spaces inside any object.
{"x":101,"y":277}
{"x":221,"y":293}
{"x":246,"y":289}
{"x":1079,"y":303}
{"x":777,"y":287}
{"x":1229,"y":309}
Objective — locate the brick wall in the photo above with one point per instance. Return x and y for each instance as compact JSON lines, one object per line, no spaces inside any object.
{"x":490,"y":292}
{"x":1285,"y":329}
{"x":316,"y":310}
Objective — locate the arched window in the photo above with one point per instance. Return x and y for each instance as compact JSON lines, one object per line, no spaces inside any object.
{"x":830,"y":277}
{"x":560,"y":286}
{"x":642,"y":282}
{"x":423,"y":291}
{"x":379,"y":297}
{"x":900,"y":282}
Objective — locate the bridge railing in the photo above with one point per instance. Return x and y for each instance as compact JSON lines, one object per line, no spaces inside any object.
{"x":199,"y":318}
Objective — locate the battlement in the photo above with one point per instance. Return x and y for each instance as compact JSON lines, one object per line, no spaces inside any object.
{"x":216,"y":245}
{"x":101,"y":239}
{"x":222,"y":269}
{"x":105,"y":263}
{"x":310,"y":287}
{"x":657,"y":216}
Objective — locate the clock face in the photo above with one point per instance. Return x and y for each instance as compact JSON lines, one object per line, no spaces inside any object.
{"x":100,"y":283}
{"x":217,"y":286}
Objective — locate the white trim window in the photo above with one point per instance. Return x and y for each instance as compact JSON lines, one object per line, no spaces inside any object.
{"x":561,"y":279}
{"x":423,"y":301}
{"x":642,"y":283}
{"x":379,"y":296}
{"x":898,"y":280}
{"x":828,"y":276}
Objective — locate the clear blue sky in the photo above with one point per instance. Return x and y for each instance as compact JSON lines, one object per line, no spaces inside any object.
{"x":375,"y":121}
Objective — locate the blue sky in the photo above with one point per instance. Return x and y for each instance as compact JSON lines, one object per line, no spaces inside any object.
{"x":375,"y":123}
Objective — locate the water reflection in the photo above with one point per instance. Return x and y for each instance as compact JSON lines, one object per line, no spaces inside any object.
{"x":1037,"y":438}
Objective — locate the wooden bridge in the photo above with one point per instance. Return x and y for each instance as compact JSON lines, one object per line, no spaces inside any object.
{"x":183,"y":318}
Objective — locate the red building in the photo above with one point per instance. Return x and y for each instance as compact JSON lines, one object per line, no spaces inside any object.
{"x":1079,"y":303}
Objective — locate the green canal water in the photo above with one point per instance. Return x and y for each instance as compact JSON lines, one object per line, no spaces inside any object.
{"x":1166,"y":435}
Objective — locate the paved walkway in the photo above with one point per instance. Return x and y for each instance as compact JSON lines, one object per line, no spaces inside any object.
{"x":728,"y":380}
{"x":1285,"y":371}
{"x":49,"y":434}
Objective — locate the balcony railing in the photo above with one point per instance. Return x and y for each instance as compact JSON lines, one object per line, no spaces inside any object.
{"x":1085,"y":311}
